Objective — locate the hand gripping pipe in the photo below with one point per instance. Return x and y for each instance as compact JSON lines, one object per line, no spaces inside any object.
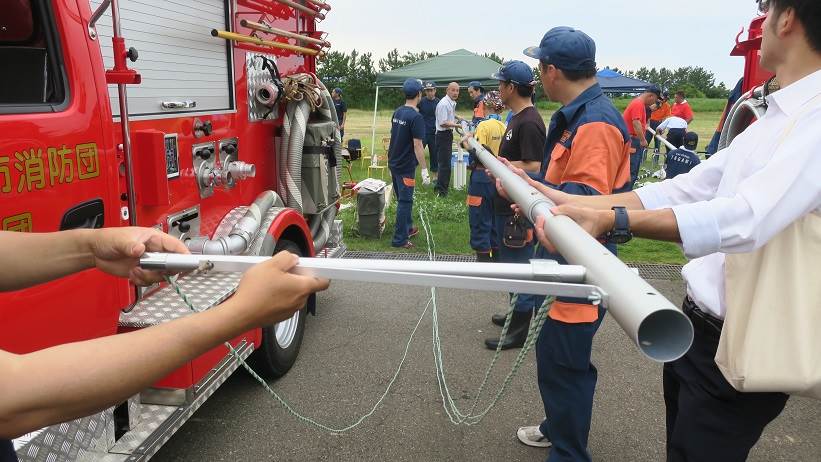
{"x":658,"y":328}
{"x":661,"y":138}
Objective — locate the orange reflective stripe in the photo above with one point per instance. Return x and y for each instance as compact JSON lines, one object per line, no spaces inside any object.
{"x":474,"y":201}
{"x":573,"y":313}
{"x":409,"y":182}
{"x":600,"y":148}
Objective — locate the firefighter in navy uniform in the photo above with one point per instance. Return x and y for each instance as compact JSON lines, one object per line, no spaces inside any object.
{"x":587,"y":153}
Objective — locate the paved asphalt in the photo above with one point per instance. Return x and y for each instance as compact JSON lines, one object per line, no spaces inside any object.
{"x":352,"y":349}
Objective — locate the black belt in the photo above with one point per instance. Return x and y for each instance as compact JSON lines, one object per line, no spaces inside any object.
{"x":703,"y":322}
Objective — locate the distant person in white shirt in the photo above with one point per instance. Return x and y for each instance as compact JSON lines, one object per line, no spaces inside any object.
{"x":675,"y":127}
{"x":445,"y":123}
{"x":734,"y":202}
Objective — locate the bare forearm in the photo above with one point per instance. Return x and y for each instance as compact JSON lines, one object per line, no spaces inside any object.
{"x":45,"y":387}
{"x":660,"y":225}
{"x":630,"y":200}
{"x":34,"y":258}
{"x":419,"y":151}
{"x":637,"y":127}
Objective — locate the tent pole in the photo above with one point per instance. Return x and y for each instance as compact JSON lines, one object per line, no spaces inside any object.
{"x":373,"y":128}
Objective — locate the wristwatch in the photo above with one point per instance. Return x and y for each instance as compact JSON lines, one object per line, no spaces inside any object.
{"x":620,"y":234}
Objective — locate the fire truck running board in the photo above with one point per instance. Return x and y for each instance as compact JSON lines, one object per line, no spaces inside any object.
{"x":158,"y":423}
{"x":204,"y":290}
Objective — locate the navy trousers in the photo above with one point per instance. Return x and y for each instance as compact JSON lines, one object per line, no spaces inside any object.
{"x":444,"y":144}
{"x":481,"y":190}
{"x":635,"y":159}
{"x":567,"y":382}
{"x":707,"y":419}
{"x":403,"y":184}
{"x":430,"y":143}
{"x":524,"y":302}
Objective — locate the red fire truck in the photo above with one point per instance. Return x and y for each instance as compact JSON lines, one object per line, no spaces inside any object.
{"x":220,"y":135}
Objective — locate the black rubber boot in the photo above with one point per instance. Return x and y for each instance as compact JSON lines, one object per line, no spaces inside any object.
{"x":516,"y":333}
{"x":499,"y":319}
{"x":494,"y":255}
{"x":483,"y":257}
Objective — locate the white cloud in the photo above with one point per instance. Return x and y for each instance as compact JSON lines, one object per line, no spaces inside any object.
{"x":628,"y":34}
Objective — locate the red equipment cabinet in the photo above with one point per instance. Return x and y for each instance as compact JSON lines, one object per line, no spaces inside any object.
{"x":63,"y":163}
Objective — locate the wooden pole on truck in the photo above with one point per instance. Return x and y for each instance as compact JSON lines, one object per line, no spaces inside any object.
{"x":265,"y":43}
{"x":305,"y":9}
{"x":284,"y":33}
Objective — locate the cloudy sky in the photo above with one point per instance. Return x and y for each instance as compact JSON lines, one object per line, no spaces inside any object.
{"x":628,"y":34}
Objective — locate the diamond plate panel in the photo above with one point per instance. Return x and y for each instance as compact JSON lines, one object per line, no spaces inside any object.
{"x":204,"y":290}
{"x":256,"y":76}
{"x":159,"y":423}
{"x":151,"y":418}
{"x":256,"y":245}
{"x":68,"y":441}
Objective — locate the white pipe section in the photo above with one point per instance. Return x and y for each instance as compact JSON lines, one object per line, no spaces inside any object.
{"x":373,"y":128}
{"x":659,"y":328}
{"x":661,"y":138}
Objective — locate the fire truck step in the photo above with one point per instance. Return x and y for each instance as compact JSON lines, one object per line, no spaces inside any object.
{"x":158,"y":423}
{"x":205,"y":290}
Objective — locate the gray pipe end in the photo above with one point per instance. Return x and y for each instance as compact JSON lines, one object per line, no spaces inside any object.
{"x":665,"y":335}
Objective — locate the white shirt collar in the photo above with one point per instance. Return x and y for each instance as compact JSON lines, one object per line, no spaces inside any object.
{"x":790,"y":98}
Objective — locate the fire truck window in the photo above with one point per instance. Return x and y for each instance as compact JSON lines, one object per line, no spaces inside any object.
{"x":31,"y":77}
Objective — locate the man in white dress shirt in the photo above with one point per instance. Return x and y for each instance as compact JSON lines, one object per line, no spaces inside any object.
{"x":676,"y":128}
{"x":735,"y":202}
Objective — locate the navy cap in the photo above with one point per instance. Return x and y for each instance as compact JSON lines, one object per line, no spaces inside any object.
{"x":654,"y":89}
{"x":429,"y":85}
{"x":691,"y":140}
{"x":566,"y":48}
{"x":338,"y":91}
{"x":516,"y":72}
{"x":475,"y":84}
{"x":412,"y":87}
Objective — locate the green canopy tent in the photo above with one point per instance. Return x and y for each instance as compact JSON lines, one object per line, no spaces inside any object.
{"x":460,"y":66}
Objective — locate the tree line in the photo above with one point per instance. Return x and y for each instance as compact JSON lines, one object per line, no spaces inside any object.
{"x":356,"y":72}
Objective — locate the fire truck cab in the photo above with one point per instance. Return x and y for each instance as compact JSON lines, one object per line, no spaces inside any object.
{"x":138,"y":112}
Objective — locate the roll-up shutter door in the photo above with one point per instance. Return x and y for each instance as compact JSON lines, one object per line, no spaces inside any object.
{"x":180,"y":63}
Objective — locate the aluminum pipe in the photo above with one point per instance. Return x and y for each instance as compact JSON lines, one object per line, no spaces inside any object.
{"x":659,"y":328}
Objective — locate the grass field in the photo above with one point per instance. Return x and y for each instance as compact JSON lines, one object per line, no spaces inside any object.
{"x":448,"y":217}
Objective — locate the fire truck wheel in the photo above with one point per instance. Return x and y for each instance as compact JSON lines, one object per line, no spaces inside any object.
{"x":281,"y":341}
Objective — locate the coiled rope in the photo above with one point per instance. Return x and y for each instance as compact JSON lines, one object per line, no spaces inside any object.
{"x":302,"y":86}
{"x":455,"y":415}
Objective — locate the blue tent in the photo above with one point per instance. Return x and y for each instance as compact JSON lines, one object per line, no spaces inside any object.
{"x":614,"y":82}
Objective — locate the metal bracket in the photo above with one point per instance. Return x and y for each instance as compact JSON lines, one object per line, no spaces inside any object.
{"x":538,"y":278}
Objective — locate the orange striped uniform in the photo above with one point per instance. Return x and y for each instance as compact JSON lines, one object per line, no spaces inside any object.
{"x":587,"y":153}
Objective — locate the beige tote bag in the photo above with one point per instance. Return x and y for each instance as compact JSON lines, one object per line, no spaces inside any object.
{"x":771,"y":340}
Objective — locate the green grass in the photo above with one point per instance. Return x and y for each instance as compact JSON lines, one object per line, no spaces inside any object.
{"x":448,"y":216}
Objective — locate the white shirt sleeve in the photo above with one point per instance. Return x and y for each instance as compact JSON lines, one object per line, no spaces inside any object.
{"x":699,"y":184}
{"x":663,"y":125}
{"x":441,"y":114}
{"x":765,"y":203}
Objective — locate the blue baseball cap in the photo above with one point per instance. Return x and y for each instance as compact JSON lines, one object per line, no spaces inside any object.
{"x":412,"y":87}
{"x":691,"y":140}
{"x":475,"y":84}
{"x":566,"y":48}
{"x":338,"y":91}
{"x":430,"y":85}
{"x":516,"y":72}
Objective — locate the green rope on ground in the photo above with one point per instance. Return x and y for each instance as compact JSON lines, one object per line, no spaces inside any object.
{"x":455,"y":415}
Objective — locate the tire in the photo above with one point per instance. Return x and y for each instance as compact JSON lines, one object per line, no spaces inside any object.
{"x":280,"y":342}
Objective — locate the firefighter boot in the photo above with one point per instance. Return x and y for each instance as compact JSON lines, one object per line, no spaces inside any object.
{"x":516,"y":333}
{"x":483,"y":257}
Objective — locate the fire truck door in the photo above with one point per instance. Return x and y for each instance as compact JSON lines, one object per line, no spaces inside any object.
{"x":57,"y":172}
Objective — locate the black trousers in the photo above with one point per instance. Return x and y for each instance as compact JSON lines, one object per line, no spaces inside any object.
{"x":676,"y":137}
{"x":707,"y":419}
{"x":444,"y":145}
